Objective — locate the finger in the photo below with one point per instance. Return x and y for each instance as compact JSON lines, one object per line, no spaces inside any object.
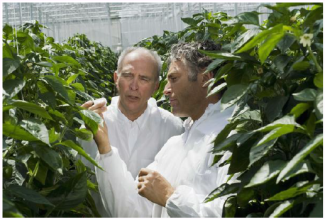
{"x":144,"y":172}
{"x":97,"y":105}
{"x":99,"y":110}
{"x":140,"y":185}
{"x":87,"y":104}
{"x":141,"y":179}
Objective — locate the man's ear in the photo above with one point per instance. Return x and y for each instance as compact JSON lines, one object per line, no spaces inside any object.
{"x":115,"y":77}
{"x":157,"y":85}
{"x":206,"y":77}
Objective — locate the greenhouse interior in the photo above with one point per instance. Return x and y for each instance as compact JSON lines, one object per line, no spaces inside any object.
{"x":185,"y":109}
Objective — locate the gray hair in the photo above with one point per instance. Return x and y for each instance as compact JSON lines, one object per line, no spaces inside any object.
{"x":189,"y":54}
{"x":132,"y":49}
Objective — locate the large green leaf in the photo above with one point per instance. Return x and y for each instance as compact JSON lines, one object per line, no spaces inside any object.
{"x":222,"y":190}
{"x":307,"y":94}
{"x":244,"y":196}
{"x":84,"y":134}
{"x":28,"y":195}
{"x":287,"y":120}
{"x":17,"y":132}
{"x":317,"y":211}
{"x":91,"y":119}
{"x":9,"y":65}
{"x":80,"y":151}
{"x":221,"y":55}
{"x":71,"y":193}
{"x":318,"y":80}
{"x":32,"y":107}
{"x":67,"y":60}
{"x":232,"y":95}
{"x":282,"y":208}
{"x":286,"y":42}
{"x":37,"y":129}
{"x":291,"y":192}
{"x":275,"y":133}
{"x":309,"y":147}
{"x":6,"y":51}
{"x":268,"y":45}
{"x":240,"y":156}
{"x":281,"y":61}
{"x":299,"y":109}
{"x":243,"y":38}
{"x":49,"y":156}
{"x":260,"y":37}
{"x":13,"y":86}
{"x":302,"y":167}
{"x":57,"y":85}
{"x":268,"y":171}
{"x":301,"y":65}
{"x":224,"y":145}
{"x":257,"y":152}
{"x":230,"y":207}
{"x":248,"y":18}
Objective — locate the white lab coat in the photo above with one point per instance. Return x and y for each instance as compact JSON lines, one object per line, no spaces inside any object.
{"x":138,"y":142}
{"x":184,"y":161}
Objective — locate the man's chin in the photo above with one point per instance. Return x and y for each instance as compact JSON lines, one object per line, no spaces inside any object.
{"x":176,"y":112}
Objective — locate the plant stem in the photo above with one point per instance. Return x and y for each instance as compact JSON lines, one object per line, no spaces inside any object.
{"x":319,"y":69}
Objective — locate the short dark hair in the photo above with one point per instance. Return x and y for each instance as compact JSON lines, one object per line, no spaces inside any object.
{"x":191,"y":56}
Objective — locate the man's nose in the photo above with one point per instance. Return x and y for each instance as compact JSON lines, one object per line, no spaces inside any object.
{"x":134,"y":84}
{"x":167,"y":89}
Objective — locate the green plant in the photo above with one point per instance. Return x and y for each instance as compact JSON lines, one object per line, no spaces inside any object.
{"x":274,"y":75}
{"x":44,"y":84}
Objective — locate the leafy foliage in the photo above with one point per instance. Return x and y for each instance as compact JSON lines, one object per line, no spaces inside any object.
{"x":277,"y":86}
{"x":44,"y":84}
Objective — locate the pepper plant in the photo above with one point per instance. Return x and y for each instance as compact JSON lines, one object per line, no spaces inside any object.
{"x":44,"y":84}
{"x":274,"y":76}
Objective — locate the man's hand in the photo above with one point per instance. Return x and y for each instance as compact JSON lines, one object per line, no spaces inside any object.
{"x":101,"y":137}
{"x":154,"y":186}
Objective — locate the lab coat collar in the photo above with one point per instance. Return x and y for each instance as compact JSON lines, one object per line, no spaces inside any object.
{"x":211,"y":109}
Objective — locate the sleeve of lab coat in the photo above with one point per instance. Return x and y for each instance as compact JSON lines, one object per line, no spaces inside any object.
{"x":187,"y":202}
{"x":118,"y":188}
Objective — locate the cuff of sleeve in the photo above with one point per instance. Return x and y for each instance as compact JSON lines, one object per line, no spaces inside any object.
{"x":179,"y":203}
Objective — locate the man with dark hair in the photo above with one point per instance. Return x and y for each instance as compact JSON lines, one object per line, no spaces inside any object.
{"x":181,"y":176}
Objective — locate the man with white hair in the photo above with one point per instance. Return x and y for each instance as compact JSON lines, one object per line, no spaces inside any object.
{"x":137,"y":127}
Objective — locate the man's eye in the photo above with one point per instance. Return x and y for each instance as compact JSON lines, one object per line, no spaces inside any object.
{"x":145,"y":79}
{"x":173,"y":78}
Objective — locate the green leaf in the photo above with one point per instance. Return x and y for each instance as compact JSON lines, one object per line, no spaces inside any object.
{"x":274,"y":107}
{"x":318,"y":80}
{"x":307,"y":94}
{"x":286,"y":42}
{"x":224,"y":145}
{"x":302,"y":167}
{"x":66,"y":60}
{"x":71,"y":193}
{"x":57,"y":85}
{"x":318,"y":104}
{"x":222,"y":190}
{"x":287,"y":120}
{"x":33,"y":108}
{"x":301,"y":66}
{"x":221,"y":55}
{"x":91,"y":119}
{"x":269,"y":44}
{"x":6,"y":51}
{"x":230,"y":207}
{"x":281,"y":61}
{"x":80,"y":151}
{"x":243,"y":38}
{"x":224,"y":70}
{"x":290,"y":193}
{"x":49,"y":156}
{"x":275,"y":133}
{"x":259,"y":151}
{"x":9,"y":65}
{"x":41,"y":174}
{"x":309,"y":147}
{"x":13,"y":86}
{"x":84,"y":134}
{"x":72,"y":78}
{"x":37,"y":129}
{"x":78,"y":86}
{"x":299,"y":109}
{"x":282,"y":208}
{"x":248,"y":18}
{"x":225,"y":132}
{"x":240,"y":156}
{"x":44,"y":64}
{"x":191,"y":21}
{"x":17,"y":132}
{"x":244,"y":196}
{"x":271,"y":209}
{"x":217,"y":89}
{"x":232,"y":95}
{"x":317,"y":211}
{"x":268,"y":171}
{"x":28,"y":195}
{"x":260,"y":37}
